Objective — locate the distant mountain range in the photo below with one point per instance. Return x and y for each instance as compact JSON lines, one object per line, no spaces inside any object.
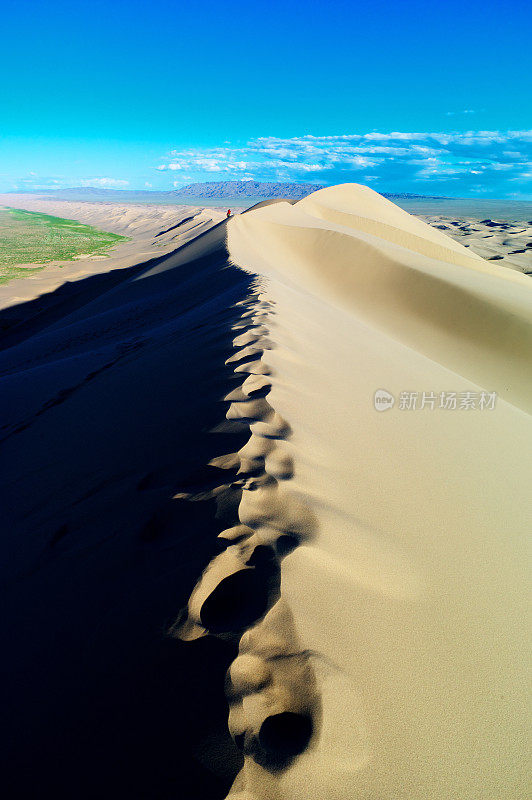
{"x":210,"y":190}
{"x":232,"y":189}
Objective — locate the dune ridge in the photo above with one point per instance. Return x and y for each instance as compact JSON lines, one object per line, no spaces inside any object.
{"x":271,"y":687}
{"x":153,"y":232}
{"x":111,"y":387}
{"x":362,"y":575}
{"x":410,"y":594}
{"x":431,"y":301}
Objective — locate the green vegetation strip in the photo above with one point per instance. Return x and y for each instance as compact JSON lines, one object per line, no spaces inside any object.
{"x":29,"y":237}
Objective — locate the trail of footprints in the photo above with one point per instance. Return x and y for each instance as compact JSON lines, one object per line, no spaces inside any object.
{"x":271,"y":686}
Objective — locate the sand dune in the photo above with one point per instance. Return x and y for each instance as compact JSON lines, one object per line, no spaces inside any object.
{"x":411,"y":590}
{"x":510,"y":243}
{"x":192,"y":446}
{"x":110,"y":387}
{"x":153,"y":231}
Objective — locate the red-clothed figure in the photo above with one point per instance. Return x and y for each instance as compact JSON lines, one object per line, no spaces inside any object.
{"x":228,"y":212}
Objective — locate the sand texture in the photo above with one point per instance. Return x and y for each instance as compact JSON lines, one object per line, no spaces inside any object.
{"x":409,"y":586}
{"x":153,"y":231}
{"x":226,"y":572}
{"x":506,"y":242}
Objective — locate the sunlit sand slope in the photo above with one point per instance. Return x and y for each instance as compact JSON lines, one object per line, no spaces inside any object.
{"x":407,"y":592}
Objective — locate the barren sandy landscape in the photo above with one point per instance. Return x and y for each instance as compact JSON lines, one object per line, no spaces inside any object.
{"x":152,"y":231}
{"x":507,"y":242}
{"x":266,"y":492}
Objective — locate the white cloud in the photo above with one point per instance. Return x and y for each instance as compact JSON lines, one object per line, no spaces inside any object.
{"x":465,"y":111}
{"x":395,"y":159}
{"x":103,"y":182}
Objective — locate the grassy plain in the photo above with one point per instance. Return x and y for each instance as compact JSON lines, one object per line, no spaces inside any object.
{"x":28,"y":237}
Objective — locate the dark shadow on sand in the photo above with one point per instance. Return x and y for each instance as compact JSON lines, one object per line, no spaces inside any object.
{"x":109,"y":389}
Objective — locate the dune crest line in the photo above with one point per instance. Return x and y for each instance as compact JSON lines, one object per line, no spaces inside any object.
{"x":413,"y":591}
{"x":349,"y":245}
{"x":271,"y":686}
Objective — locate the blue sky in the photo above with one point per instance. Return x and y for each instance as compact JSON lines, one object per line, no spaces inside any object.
{"x":432,"y":98}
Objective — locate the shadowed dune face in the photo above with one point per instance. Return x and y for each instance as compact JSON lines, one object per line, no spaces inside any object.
{"x":110,"y":389}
